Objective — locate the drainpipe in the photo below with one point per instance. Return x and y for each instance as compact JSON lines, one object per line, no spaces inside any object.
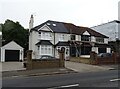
{"x":54,"y":43}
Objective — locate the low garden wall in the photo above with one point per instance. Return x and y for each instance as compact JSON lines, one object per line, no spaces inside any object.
{"x":80,"y":60}
{"x":45,"y":63}
{"x":94,"y":60}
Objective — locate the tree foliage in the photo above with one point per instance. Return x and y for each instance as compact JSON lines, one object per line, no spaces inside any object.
{"x":14,"y":31}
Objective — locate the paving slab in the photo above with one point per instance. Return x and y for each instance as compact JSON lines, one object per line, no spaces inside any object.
{"x":11,"y":66}
{"x":80,"y":67}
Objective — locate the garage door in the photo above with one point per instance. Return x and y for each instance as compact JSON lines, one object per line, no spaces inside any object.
{"x":12,"y":55}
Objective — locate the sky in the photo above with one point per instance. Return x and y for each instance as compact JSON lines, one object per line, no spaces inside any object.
{"x":86,"y":13}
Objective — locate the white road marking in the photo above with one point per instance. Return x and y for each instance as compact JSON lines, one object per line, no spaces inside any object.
{"x":113,"y":80}
{"x":74,"y":85}
{"x":70,"y":85}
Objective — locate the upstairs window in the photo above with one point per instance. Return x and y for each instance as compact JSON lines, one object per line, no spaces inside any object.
{"x":85,"y":38}
{"x":46,"y":35}
{"x":99,"y":39}
{"x":61,"y":37}
{"x":73,"y":37}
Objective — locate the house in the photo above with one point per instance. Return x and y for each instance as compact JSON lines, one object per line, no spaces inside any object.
{"x":11,"y":52}
{"x":0,"y":43}
{"x":0,"y":39}
{"x":48,"y":37}
{"x":110,"y":29}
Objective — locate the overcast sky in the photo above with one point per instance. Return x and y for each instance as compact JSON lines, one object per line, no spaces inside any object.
{"x":86,"y":13}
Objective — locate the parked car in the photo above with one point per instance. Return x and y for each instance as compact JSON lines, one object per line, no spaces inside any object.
{"x":104,"y":55}
{"x":67,"y":58}
{"x":43,"y":57}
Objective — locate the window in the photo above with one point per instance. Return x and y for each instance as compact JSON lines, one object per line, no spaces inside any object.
{"x":46,"y":49}
{"x":61,"y":37}
{"x":42,"y":49}
{"x":43,"y":34}
{"x":54,"y":25}
{"x":98,"y":39}
{"x":85,"y":38}
{"x":49,"y":50}
{"x":72,"y":37}
{"x":48,"y":23}
{"x":46,"y":35}
{"x":67,"y":51}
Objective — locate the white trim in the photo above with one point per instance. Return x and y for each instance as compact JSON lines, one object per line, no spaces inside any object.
{"x":12,"y":42}
{"x":86,"y":33}
{"x":45,"y":26}
{"x":11,"y":46}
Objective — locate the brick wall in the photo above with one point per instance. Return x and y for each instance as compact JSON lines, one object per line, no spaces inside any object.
{"x":114,"y":59}
{"x":47,"y":63}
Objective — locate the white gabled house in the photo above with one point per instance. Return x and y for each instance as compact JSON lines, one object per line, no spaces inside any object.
{"x":47,"y":38}
{"x":11,"y":52}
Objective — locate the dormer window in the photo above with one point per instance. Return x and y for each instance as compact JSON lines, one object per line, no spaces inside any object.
{"x":54,"y":25}
{"x":99,"y":39}
{"x":73,"y":37}
{"x":48,"y":23}
{"x":85,"y":38}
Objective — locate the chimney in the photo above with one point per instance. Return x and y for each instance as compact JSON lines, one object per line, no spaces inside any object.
{"x":31,"y":22}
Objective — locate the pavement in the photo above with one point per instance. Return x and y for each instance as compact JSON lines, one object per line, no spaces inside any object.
{"x":80,"y":67}
{"x":15,"y":69}
{"x":11,"y":66}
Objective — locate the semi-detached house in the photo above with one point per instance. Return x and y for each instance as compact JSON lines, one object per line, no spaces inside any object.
{"x":48,"y":37}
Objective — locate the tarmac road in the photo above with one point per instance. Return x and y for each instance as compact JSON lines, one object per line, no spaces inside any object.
{"x":107,"y":78}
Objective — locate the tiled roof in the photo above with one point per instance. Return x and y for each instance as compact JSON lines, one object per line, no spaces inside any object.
{"x":80,"y":30}
{"x":57,"y":27}
{"x":44,"y":42}
{"x":102,"y":45}
{"x":61,"y":27}
{"x":62,"y":44}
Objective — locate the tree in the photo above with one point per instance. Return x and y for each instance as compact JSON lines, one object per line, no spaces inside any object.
{"x":14,"y":31}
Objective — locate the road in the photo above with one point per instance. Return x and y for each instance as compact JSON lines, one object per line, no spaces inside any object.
{"x":91,"y":79}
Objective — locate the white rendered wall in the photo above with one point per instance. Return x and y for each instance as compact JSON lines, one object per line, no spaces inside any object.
{"x":108,"y":50}
{"x":106,"y":40}
{"x":33,"y":39}
{"x":58,"y":37}
{"x":95,"y":49}
{"x":93,"y":39}
{"x":77,"y":37}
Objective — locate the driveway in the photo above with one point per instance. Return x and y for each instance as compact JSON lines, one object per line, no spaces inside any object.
{"x":10,"y":66}
{"x":80,"y":67}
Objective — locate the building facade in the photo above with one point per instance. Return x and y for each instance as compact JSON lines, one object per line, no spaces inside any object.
{"x":110,"y":29}
{"x":50,"y":36}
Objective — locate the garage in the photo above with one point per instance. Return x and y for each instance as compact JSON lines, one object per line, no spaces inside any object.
{"x":12,"y":55}
{"x":11,"y":52}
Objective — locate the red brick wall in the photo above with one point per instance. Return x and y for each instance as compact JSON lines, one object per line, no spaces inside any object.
{"x":115,"y":59}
